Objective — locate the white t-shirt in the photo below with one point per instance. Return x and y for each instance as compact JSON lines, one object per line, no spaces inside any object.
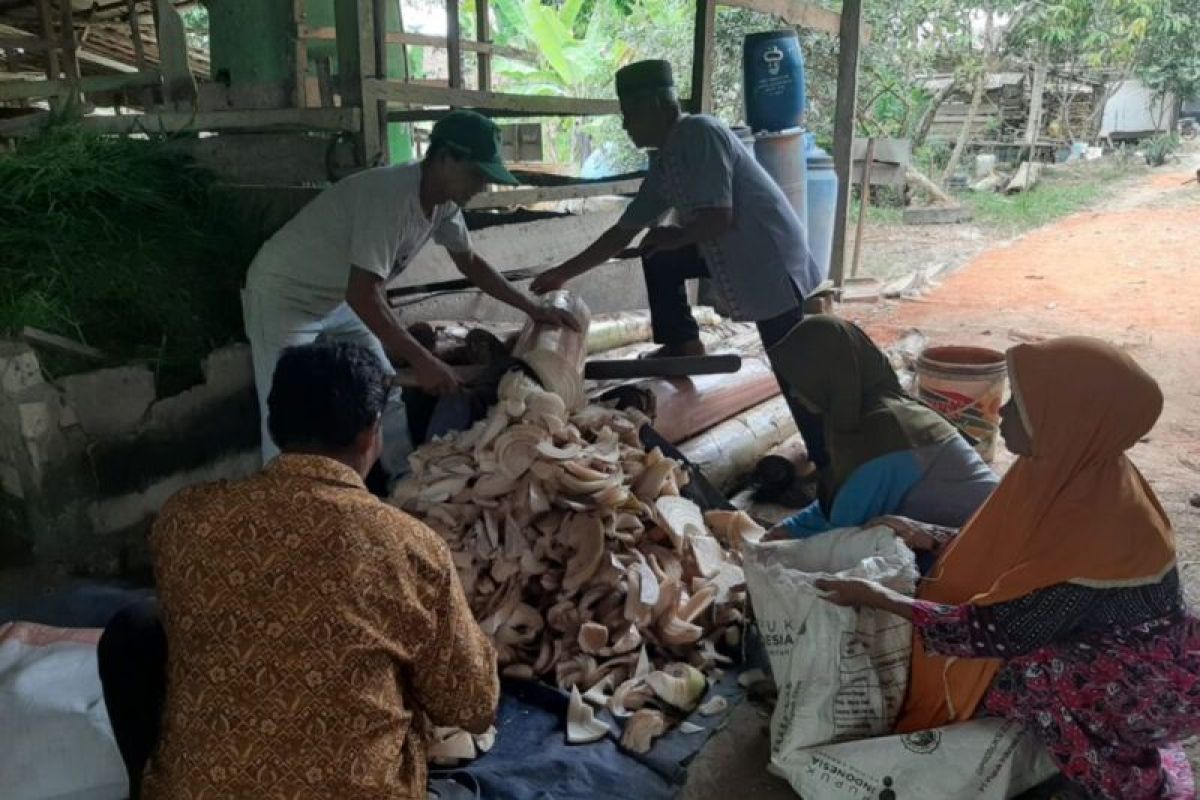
{"x":371,"y":220}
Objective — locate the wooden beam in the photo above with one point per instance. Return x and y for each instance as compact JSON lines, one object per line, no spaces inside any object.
{"x":483,"y":34}
{"x":26,"y":43}
{"x":300,"y":57}
{"x":48,"y":34}
{"x":424,"y":40}
{"x":794,"y":12}
{"x":529,"y":105}
{"x":454,"y":44}
{"x":31,"y":90}
{"x":702,"y":56}
{"x":843,"y":129}
{"x":70,"y":47}
{"x":356,"y":65}
{"x":524,"y":197}
{"x":380,"y":53}
{"x":299,"y":119}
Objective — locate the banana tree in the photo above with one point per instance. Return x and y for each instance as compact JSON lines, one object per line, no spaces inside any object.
{"x":576,"y":59}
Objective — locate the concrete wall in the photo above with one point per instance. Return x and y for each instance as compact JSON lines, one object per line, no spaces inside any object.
{"x":86,"y":461}
{"x":1136,"y":110}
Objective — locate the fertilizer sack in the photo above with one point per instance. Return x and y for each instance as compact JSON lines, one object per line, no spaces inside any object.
{"x":983,"y":759}
{"x":841,"y":672}
{"x":842,"y":675}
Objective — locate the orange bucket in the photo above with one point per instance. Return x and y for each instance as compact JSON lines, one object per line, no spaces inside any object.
{"x":967,"y":385}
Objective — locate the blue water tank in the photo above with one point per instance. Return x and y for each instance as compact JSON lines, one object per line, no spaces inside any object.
{"x":821,"y":202}
{"x":773,"y":74}
{"x":782,"y":156}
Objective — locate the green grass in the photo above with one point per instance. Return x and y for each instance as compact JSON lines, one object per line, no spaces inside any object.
{"x":876,"y":214}
{"x":120,"y":244}
{"x":1055,"y":196}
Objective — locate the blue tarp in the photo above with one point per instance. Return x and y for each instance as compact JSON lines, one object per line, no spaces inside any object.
{"x":531,"y":758}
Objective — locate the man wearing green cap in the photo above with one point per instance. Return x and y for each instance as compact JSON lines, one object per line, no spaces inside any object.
{"x":325,"y":272}
{"x":732,"y":223}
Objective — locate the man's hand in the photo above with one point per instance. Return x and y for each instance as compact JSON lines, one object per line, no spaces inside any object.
{"x":558,"y":317}
{"x":660,"y":240}
{"x":550,"y":280}
{"x":435,"y":377}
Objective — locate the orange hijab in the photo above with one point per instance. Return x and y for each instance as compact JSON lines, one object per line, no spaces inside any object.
{"x":1076,"y":511}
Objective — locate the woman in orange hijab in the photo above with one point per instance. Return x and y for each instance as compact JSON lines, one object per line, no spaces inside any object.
{"x":1059,"y":603}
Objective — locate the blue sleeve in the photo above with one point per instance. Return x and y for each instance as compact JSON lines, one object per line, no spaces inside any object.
{"x":874,"y":489}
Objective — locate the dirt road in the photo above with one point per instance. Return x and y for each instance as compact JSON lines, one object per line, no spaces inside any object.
{"x":1128,"y":273}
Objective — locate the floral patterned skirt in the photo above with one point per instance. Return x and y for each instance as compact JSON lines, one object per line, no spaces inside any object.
{"x":1112,"y":709}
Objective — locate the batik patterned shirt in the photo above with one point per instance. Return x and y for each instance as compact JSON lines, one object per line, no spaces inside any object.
{"x":314,"y":635}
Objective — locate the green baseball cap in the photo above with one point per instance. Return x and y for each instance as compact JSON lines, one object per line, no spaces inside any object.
{"x":475,"y":138}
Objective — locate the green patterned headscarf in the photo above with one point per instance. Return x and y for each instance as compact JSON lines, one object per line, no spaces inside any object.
{"x":835,"y":369}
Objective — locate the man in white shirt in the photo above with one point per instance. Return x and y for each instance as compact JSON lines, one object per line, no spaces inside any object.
{"x":735,"y":226}
{"x":324,"y":274}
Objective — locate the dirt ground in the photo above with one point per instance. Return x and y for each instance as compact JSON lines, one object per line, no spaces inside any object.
{"x":1128,"y":272}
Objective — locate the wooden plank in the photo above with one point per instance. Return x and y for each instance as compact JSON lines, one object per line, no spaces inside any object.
{"x":302,"y":119}
{"x":843,"y":129}
{"x":483,"y":35}
{"x":531,"y":105}
{"x":48,"y":34}
{"x":31,"y":90}
{"x":864,"y":202}
{"x":52,"y":341}
{"x":805,"y":15}
{"x":702,"y":56}
{"x":26,"y":43}
{"x":379,"y":52}
{"x":425,"y":40}
{"x":523,"y":197}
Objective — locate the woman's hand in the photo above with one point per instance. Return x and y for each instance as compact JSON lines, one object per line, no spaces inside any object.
{"x":777,"y":534}
{"x":852,"y":592}
{"x":861,"y":593}
{"x":912,"y":533}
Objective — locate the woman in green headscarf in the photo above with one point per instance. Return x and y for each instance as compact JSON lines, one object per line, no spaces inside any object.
{"x":890,"y":455}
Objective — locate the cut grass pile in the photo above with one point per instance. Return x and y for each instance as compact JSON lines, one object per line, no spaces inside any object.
{"x":119,"y":243}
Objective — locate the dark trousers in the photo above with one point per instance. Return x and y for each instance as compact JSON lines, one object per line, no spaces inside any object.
{"x":133,"y":673}
{"x":672,"y":323}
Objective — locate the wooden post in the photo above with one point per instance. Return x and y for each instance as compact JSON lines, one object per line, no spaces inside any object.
{"x":864,"y":202}
{"x":355,"y":41}
{"x":48,"y":35}
{"x":379,"y":15}
{"x":483,"y":33}
{"x":70,"y":52}
{"x":1033,"y":128}
{"x":139,"y":49}
{"x":843,"y":129}
{"x":702,"y":56}
{"x":404,"y":73}
{"x":454,"y":44}
{"x":300,"y":91}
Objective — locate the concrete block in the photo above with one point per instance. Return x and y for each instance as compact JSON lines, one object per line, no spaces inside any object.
{"x":118,"y":513}
{"x":110,"y":402}
{"x":35,"y":419}
{"x":10,"y":480}
{"x":229,"y":369}
{"x":19,"y":368}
